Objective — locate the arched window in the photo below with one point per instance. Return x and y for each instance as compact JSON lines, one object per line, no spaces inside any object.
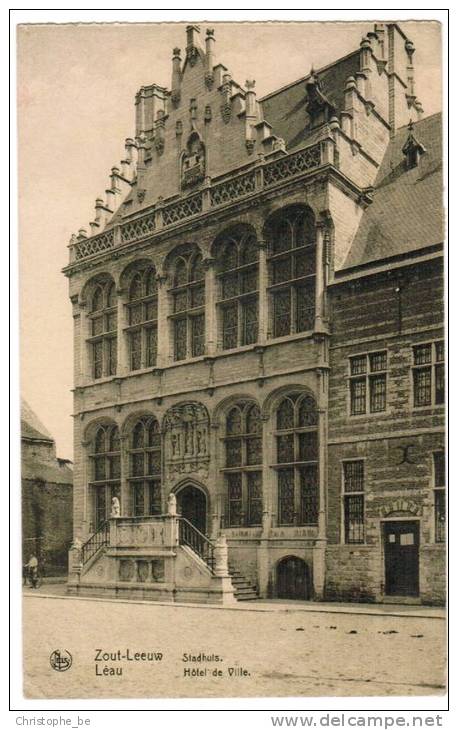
{"x":142,"y":319}
{"x":106,"y":471}
{"x":145,"y":467}
{"x":188,"y":315}
{"x":296,"y":435}
{"x":243,"y":474}
{"x":291,"y":235}
{"x":103,"y":330}
{"x":237,"y":257}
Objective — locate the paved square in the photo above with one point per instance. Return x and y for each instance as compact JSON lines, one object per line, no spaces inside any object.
{"x":284,"y":652}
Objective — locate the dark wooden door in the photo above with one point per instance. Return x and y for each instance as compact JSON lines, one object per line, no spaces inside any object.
{"x":402,"y":558}
{"x":192,"y":504}
{"x":293,"y":579}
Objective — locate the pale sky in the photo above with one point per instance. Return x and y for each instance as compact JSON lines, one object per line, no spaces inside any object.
{"x":76,"y":88}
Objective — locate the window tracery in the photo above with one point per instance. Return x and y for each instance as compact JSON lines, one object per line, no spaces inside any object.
{"x":297,"y":460}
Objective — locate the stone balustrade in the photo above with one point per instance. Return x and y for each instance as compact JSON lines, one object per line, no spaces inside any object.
{"x":263,"y":174}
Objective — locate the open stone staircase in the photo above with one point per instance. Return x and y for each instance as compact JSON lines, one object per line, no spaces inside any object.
{"x":243,"y":589}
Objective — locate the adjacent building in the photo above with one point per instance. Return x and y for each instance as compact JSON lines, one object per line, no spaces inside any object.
{"x":258,"y":331}
{"x":47,"y":499}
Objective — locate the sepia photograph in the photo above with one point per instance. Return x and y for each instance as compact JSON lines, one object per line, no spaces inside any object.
{"x":233,"y":391}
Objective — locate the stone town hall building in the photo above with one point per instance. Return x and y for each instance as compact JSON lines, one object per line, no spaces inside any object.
{"x":258,"y":330}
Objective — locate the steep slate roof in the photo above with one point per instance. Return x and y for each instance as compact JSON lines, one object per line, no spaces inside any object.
{"x":406,"y":214}
{"x":34,"y":470}
{"x":285,"y":109}
{"x":31,"y":426}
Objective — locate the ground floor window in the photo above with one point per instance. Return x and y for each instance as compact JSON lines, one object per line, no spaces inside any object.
{"x":353,"y":501}
{"x":103,"y":494}
{"x":146,"y":497}
{"x":298,"y":495}
{"x":244,"y":496}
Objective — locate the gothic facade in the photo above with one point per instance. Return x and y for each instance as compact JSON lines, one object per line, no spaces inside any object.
{"x":258,"y":325}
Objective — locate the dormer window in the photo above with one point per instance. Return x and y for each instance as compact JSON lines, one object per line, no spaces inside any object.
{"x":413,"y":149}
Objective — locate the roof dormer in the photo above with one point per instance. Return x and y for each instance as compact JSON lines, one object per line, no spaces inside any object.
{"x":413,"y":149}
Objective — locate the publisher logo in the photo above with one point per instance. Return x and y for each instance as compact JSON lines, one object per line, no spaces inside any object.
{"x":61,"y":660}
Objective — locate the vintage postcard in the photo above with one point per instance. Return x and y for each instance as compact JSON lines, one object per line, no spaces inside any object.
{"x":233,"y":361}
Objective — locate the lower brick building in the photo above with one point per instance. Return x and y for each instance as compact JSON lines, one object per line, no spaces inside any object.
{"x":47,"y":499}
{"x":258,"y":337}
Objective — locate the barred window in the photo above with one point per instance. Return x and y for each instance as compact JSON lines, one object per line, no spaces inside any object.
{"x":296,"y":465}
{"x":145,"y":467}
{"x":353,"y":501}
{"x":142,"y":319}
{"x":237,"y":260}
{"x":428,"y":373}
{"x":368,"y":380}
{"x":103,"y":330}
{"x":105,"y":459}
{"x":243,"y":445}
{"x":291,"y":235}
{"x":188,"y":309}
{"x":439,"y":496}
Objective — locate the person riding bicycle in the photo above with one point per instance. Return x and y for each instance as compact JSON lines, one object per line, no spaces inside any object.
{"x":32,"y":570}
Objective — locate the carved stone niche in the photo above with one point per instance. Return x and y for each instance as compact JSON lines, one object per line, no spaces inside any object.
{"x":193,"y":162}
{"x":186,"y":428}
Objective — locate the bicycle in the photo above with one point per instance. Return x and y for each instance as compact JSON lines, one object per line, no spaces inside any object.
{"x":31,"y":577}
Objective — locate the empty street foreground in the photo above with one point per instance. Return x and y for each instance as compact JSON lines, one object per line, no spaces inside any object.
{"x":144,"y":650}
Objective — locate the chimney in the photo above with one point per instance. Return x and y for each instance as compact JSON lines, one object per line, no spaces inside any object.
{"x":250,"y":99}
{"x":379,"y":29}
{"x":410,"y":71}
{"x":139,"y":112}
{"x":114,"y":178}
{"x":250,"y":115}
{"x":209,"y":45}
{"x":131,"y":152}
{"x":191,"y":30}
{"x":176,"y":76}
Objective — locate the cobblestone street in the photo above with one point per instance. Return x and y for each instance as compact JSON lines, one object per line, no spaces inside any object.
{"x":257,"y":651}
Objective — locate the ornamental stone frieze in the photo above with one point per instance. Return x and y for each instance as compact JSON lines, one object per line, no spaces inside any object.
{"x":186,"y":429}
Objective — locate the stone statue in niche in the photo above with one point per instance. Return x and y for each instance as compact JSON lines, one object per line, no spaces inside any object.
{"x":186,"y":439}
{"x":193,"y":162}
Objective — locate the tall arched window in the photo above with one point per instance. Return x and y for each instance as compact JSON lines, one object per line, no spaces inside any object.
{"x":188,"y":297}
{"x":237,"y":256}
{"x":145,"y":467}
{"x":142,"y":319}
{"x":291,"y":235}
{"x":103,"y":329}
{"x":106,"y":471}
{"x":297,"y":460}
{"x":243,"y":474}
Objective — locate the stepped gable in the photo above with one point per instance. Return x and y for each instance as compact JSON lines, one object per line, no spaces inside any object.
{"x":204,"y":126}
{"x":412,"y":195}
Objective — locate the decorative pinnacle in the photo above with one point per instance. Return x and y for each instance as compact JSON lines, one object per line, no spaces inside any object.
{"x":250,"y":84}
{"x":409,"y":46}
{"x":210,"y":32}
{"x":176,"y":52}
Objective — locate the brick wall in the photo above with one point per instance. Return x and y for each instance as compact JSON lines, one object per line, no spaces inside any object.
{"x":47,"y":524}
{"x":396,"y":445}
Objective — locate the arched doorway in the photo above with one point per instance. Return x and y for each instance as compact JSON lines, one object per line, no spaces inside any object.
{"x":192,"y":504}
{"x":293,"y":579}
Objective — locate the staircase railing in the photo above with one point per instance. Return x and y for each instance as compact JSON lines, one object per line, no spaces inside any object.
{"x":198,"y":542}
{"x":99,"y":539}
